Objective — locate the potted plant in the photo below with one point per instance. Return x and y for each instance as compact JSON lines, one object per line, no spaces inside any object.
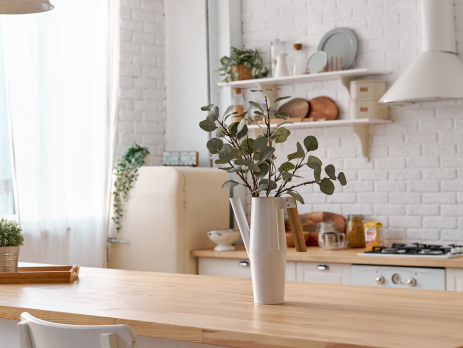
{"x":11,"y":240}
{"x":267,"y":180}
{"x":126,"y":173}
{"x":242,"y":65}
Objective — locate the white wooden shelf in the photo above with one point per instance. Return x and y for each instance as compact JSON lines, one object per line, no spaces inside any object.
{"x":318,"y":124}
{"x":288,"y":80}
{"x":360,"y":127}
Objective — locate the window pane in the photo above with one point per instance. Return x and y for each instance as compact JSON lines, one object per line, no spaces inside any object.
{"x":6,"y":174}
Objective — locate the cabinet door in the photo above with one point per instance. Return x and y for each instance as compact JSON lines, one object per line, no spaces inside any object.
{"x":330,"y":273}
{"x":454,"y":279}
{"x":235,"y":268}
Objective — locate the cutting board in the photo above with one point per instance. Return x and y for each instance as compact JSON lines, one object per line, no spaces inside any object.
{"x":310,"y":221}
{"x":322,"y":108}
{"x":295,"y":108}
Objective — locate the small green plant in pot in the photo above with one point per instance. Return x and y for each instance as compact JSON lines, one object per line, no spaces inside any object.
{"x":11,"y":240}
{"x":126,"y":173}
{"x":242,"y":65}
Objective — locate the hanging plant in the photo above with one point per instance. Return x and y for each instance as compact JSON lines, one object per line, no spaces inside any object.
{"x":126,"y":172}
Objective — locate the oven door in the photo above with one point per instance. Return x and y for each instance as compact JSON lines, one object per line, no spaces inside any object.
{"x":399,"y":277}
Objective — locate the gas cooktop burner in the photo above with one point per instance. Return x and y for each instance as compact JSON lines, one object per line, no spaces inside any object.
{"x":418,"y":250}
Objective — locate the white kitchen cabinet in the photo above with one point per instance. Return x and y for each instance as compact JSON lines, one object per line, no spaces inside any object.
{"x":454,"y":279}
{"x":319,"y":272}
{"x":235,"y":268}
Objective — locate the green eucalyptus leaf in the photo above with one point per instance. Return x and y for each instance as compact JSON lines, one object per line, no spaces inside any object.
{"x":265,"y":182}
{"x":287,"y":166}
{"x":317,"y":173}
{"x":331,"y":171}
{"x":282,"y":115}
{"x":226,"y":168}
{"x":256,"y":105}
{"x":266,"y":153}
{"x":247,"y":145}
{"x":227,"y":153}
{"x":314,"y":162}
{"x":311,"y":143}
{"x":256,"y":90}
{"x":252,"y":166}
{"x":296,"y":196}
{"x":234,"y":170}
{"x":262,"y":187}
{"x":213,"y":114}
{"x":263,"y":171}
{"x":242,"y":133}
{"x":208,"y":126}
{"x":207,"y":107}
{"x":280,"y":98}
{"x":220,"y":133}
{"x":238,"y":153}
{"x":286,"y":176}
{"x":229,"y":109}
{"x":260,"y":144}
{"x":342,"y":179}
{"x":326,"y":186}
{"x":281,"y":135}
{"x":220,"y":162}
{"x":233,"y":128}
{"x":241,"y":125}
{"x":214,"y":145}
{"x":229,"y":184}
{"x":240,"y":161}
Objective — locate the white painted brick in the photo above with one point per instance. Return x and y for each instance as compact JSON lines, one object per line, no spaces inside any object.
{"x":452,"y":161}
{"x":389,"y":209}
{"x":451,"y":137}
{"x":405,"y":151}
{"x":406,"y":174}
{"x":423,"y":209}
{"x":440,"y":198}
{"x":436,"y":125}
{"x":440,"y":222}
{"x":452,"y":210}
{"x":405,"y":221}
{"x":364,"y":209}
{"x":439,"y":149}
{"x":390,"y":163}
{"x":452,"y":235}
{"x":423,"y":162}
{"x":410,"y":198}
{"x":421,"y":138}
{"x":373,"y":175}
{"x":372,"y":198}
{"x":390,"y":186}
{"x":424,"y":186}
{"x":423,"y":234}
{"x":439,"y":174}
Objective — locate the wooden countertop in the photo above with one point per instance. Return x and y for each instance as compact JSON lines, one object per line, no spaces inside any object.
{"x":348,"y":256}
{"x":221,"y":311}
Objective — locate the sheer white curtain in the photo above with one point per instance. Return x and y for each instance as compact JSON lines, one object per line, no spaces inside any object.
{"x":62,"y":85}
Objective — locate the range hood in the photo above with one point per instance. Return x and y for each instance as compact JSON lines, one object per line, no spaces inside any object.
{"x":437,"y":73}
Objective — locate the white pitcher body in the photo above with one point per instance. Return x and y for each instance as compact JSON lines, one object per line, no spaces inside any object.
{"x":281,"y":66}
{"x":267,"y":250}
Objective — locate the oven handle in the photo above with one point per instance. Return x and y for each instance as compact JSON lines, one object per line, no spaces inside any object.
{"x":323,"y":267}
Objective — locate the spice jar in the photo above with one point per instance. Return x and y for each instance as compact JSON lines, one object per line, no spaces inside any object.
{"x":355,"y":232}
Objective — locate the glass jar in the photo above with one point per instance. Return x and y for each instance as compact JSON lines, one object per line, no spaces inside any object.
{"x":355,"y":232}
{"x":328,"y":238}
{"x":276,"y":47}
{"x":298,"y":68}
{"x":238,"y":100}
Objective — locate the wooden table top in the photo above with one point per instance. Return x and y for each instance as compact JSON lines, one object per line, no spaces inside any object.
{"x":348,"y":256}
{"x":221,"y":311}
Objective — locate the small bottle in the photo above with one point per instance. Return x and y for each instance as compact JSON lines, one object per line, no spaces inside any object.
{"x":276,"y":47}
{"x":298,"y":63}
{"x":238,"y":100}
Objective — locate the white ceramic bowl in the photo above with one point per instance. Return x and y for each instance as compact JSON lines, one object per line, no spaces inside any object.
{"x":224,"y":239}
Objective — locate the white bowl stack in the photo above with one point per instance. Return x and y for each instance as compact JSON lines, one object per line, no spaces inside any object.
{"x":365,"y":95}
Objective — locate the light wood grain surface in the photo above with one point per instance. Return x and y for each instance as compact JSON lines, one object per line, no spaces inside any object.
{"x":349,"y":256}
{"x":221,"y":311}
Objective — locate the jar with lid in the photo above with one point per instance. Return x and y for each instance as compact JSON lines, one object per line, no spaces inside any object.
{"x":355,"y":232}
{"x":276,"y":47}
{"x":298,"y":68}
{"x":238,"y":101}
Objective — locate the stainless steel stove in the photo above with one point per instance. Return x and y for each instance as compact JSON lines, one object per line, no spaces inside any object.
{"x":417,"y":250}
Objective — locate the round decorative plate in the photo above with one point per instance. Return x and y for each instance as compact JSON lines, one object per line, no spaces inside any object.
{"x":317,"y":62}
{"x":340,"y":42}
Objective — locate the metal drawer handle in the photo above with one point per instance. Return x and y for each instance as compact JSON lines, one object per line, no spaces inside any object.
{"x":323,"y":267}
{"x":244,"y":263}
{"x":115,"y":240}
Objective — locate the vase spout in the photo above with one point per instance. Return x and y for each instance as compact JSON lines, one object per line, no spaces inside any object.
{"x":242,"y":221}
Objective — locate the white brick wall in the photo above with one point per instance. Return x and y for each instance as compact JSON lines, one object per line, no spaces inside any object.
{"x":142,"y":115}
{"x":413,"y":183}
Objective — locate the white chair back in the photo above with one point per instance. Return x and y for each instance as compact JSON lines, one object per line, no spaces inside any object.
{"x":36,"y":333}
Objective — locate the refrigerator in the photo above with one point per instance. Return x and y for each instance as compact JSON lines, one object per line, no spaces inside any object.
{"x":168,"y":213}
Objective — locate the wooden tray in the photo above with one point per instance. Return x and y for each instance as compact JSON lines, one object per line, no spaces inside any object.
{"x":41,"y":275}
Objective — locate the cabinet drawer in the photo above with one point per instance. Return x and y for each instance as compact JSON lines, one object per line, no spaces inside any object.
{"x":235,"y":268}
{"x":454,"y":279}
{"x":319,"y":272}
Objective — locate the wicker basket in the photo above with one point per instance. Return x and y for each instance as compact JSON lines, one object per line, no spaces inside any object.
{"x":243,"y":72}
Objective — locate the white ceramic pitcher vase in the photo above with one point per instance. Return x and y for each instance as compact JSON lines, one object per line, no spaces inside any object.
{"x":265,"y":244}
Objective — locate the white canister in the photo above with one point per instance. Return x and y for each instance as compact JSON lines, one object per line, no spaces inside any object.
{"x":367,"y":89}
{"x":367,"y":108}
